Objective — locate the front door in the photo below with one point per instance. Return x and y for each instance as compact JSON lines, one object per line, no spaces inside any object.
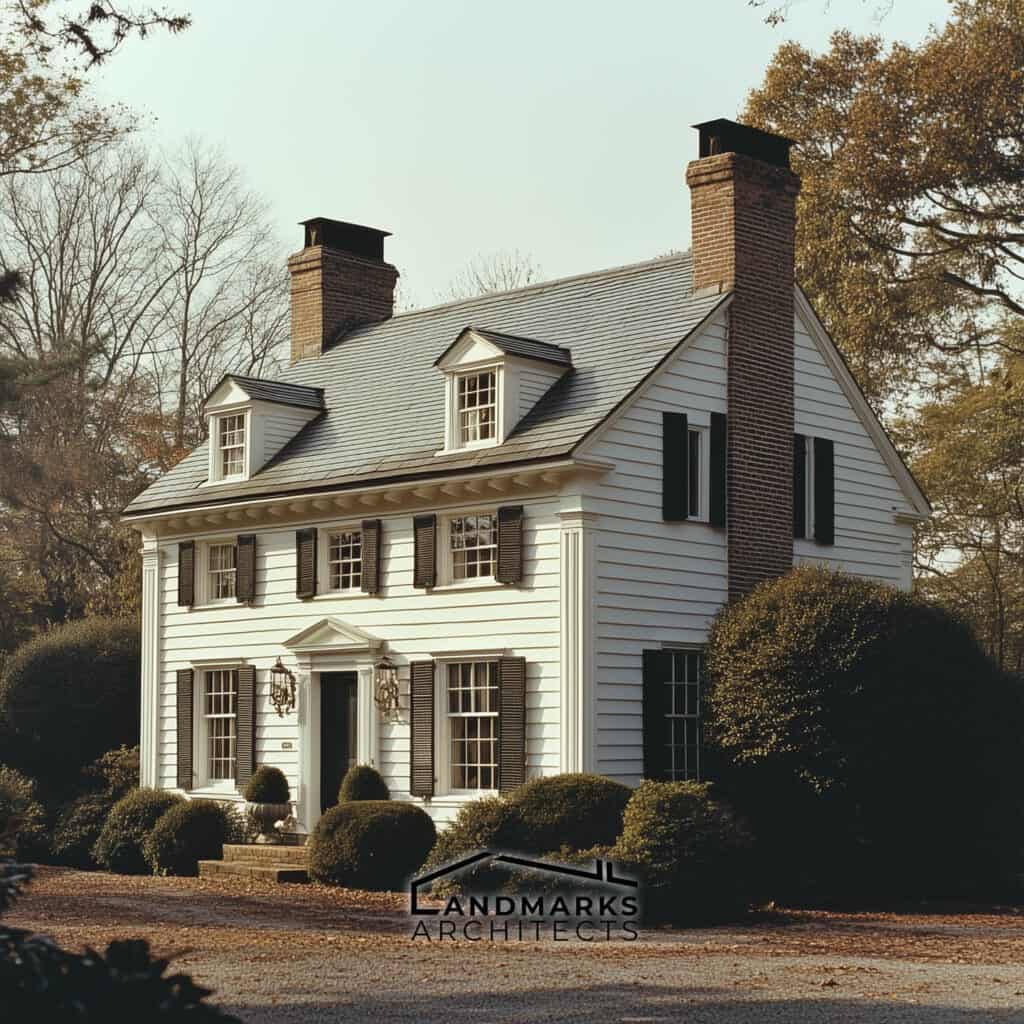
{"x":337,"y":732}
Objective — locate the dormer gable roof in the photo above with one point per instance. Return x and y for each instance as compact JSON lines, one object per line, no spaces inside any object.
{"x":234,"y":387}
{"x":507,"y":344}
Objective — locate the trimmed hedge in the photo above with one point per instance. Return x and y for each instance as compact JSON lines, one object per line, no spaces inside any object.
{"x":78,"y":827}
{"x":267,"y":785}
{"x":132,"y":818}
{"x":575,"y":810}
{"x":186,"y":834}
{"x":693,"y":856}
{"x":72,"y":694}
{"x":489,"y":823}
{"x":362,"y":782}
{"x":22,"y":818}
{"x":867,"y":737}
{"x":116,"y":771}
{"x":370,"y":844}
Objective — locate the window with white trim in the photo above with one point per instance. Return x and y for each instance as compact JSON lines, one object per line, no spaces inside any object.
{"x":231,"y":445}
{"x":472,"y":688}
{"x":220,"y":700}
{"x":684,"y":726}
{"x":473,"y":546}
{"x":344,"y":559}
{"x":221,"y":570}
{"x":477,"y":406}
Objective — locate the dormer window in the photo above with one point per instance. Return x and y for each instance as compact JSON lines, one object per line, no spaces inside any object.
{"x":231,"y":439}
{"x":478,"y":406}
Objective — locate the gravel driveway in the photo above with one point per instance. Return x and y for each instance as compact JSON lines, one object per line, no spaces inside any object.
{"x":307,"y":953}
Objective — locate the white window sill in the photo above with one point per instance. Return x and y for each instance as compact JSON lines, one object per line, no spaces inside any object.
{"x":458,"y":799}
{"x":224,"y":602}
{"x":472,"y":446}
{"x":341,"y":595}
{"x":240,"y":479}
{"x":482,"y":583}
{"x":217,"y":791}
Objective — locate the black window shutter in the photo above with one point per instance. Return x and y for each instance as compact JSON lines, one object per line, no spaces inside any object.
{"x":305,"y":563}
{"x":421,"y":728}
{"x":185,"y":719}
{"x":245,"y":723}
{"x":799,"y":485}
{"x":424,"y":530}
{"x":510,"y":544}
{"x":370,"y":576}
{"x":674,"y":471}
{"x":245,"y":572}
{"x":657,"y":698}
{"x":824,"y":491}
{"x":511,"y":723}
{"x":186,"y":573}
{"x":716,"y":511}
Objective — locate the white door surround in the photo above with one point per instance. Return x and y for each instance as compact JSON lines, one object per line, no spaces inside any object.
{"x":331,"y":645}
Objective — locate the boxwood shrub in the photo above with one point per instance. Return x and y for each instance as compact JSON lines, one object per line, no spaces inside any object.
{"x":694,"y":858}
{"x":131,"y":819}
{"x":22,"y":817}
{"x":267,"y":785}
{"x":865,"y":734}
{"x":186,"y":834}
{"x":77,"y":828}
{"x":370,"y":844}
{"x":362,"y":782}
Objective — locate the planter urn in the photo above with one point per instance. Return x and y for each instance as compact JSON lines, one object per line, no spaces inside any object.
{"x":266,"y":816}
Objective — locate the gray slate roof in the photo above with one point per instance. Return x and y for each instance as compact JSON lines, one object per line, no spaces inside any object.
{"x":277,"y":391}
{"x":384,"y":397}
{"x":516,"y":346}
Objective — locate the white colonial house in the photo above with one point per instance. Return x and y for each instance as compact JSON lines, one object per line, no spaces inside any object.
{"x":532,"y":504}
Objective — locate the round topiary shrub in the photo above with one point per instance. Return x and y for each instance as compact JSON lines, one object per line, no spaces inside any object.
{"x":116,"y":771}
{"x":131,"y":819}
{"x":573,"y":810}
{"x":693,"y":856}
{"x":73,"y":693}
{"x":370,"y":844}
{"x":78,"y":826}
{"x":867,"y":737}
{"x":22,"y":818}
{"x":362,"y":782}
{"x":267,"y":785}
{"x":186,"y":834}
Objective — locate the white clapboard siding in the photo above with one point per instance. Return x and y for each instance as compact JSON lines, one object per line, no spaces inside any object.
{"x":868,"y":542}
{"x":275,"y":426}
{"x":522,"y":619}
{"x":656,"y":582}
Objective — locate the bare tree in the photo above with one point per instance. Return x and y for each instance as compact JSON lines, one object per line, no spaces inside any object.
{"x":500,"y":271}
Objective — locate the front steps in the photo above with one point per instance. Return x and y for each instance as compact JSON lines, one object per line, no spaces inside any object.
{"x":269,"y":863}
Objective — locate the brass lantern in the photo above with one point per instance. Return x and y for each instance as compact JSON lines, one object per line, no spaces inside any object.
{"x":282,"y":689}
{"x":386,"y":687}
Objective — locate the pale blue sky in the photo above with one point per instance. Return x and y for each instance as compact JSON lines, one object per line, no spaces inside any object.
{"x":559,"y":128}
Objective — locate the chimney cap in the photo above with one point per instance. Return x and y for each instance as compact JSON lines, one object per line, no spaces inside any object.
{"x":724,"y":136}
{"x":356,"y":239}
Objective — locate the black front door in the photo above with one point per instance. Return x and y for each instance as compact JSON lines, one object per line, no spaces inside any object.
{"x":337,"y":732}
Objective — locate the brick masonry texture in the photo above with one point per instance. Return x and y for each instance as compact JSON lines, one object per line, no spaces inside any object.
{"x":334,"y":291}
{"x":744,"y":231}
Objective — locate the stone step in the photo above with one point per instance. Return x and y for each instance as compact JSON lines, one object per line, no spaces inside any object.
{"x":255,"y":853}
{"x":264,"y":872}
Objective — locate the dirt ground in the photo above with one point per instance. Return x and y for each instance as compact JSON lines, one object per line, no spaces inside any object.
{"x":310,"y":953}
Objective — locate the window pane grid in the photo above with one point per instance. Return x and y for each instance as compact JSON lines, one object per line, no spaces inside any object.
{"x":222,"y":561}
{"x":473,"y":718}
{"x":474,"y":546}
{"x":221,"y":695}
{"x":232,"y":445}
{"x":684,"y":740}
{"x":478,"y":404}
{"x":345,"y":560}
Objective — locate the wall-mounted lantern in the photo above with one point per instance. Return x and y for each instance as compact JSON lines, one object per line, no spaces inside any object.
{"x":385,"y":694}
{"x":282,"y":689}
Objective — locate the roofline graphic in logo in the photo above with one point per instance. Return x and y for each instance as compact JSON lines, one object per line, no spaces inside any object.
{"x":603,"y":871}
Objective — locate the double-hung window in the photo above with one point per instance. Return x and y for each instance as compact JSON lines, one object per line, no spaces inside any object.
{"x":222,"y":569}
{"x":684,"y":727}
{"x":344,"y":560}
{"x":220,"y":698}
{"x":477,"y":407}
{"x":473,"y":542}
{"x":473,"y":724}
{"x":231,"y":443}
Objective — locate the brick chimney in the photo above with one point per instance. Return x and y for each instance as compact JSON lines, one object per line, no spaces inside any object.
{"x":743,"y":200}
{"x":339,"y":281}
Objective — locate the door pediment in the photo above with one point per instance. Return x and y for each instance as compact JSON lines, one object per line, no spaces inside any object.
{"x":332,"y":636}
